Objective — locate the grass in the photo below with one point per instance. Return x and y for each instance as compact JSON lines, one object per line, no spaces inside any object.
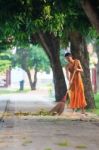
{"x":96,"y":110}
{"x":97,"y":103}
{"x":10,"y":91}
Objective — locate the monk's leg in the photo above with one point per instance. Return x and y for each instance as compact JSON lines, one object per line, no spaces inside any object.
{"x":74,"y":111}
{"x":83,"y":111}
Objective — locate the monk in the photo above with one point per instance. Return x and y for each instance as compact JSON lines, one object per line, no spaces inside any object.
{"x":77,"y":97}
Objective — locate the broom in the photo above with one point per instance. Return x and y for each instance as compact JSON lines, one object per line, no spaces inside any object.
{"x":59,"y":108}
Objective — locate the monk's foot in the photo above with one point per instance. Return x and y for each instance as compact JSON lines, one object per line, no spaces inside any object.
{"x":84,"y":113}
{"x":74,"y":113}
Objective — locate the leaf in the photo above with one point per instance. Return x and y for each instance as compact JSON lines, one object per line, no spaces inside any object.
{"x":63,"y":144}
{"x":81,"y":147}
{"x":26,"y":142}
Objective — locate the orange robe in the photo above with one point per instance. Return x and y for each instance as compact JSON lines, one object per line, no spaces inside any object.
{"x":77,"y":97}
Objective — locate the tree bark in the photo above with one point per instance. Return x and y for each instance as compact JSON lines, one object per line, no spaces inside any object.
{"x":32,"y":83}
{"x":79,"y":51}
{"x":91,"y":13}
{"x":97,"y":51}
{"x":35,"y":80}
{"x":51,"y":45}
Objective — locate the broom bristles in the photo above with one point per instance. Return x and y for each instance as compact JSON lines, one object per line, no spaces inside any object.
{"x":59,"y":108}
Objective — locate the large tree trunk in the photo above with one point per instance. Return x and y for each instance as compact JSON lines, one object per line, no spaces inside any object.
{"x":79,"y":51}
{"x":59,"y":81}
{"x":51,"y":45}
{"x":91,"y":13}
{"x":32,"y":83}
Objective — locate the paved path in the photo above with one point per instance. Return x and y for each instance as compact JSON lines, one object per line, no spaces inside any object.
{"x":48,"y":134}
{"x":45,"y":133}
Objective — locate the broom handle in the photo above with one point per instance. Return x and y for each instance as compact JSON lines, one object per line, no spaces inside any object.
{"x":71,"y":83}
{"x":71,"y":80}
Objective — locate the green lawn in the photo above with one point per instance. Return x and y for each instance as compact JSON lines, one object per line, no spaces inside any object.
{"x":9,"y":91}
{"x":96,"y":110}
{"x":97,"y":103}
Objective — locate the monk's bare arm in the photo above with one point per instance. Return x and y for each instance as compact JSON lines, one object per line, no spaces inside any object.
{"x":80,"y":69}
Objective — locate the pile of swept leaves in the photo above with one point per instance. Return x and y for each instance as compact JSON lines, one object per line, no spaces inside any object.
{"x":41,"y":112}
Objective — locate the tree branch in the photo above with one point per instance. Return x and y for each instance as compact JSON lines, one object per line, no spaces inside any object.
{"x":91,"y":13}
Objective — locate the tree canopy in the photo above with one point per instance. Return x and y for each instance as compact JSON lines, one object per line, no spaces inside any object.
{"x":21,"y":18}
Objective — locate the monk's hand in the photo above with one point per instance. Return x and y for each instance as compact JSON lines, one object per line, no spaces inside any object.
{"x":79,"y":70}
{"x":75,"y":68}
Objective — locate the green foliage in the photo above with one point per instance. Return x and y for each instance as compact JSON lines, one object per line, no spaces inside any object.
{"x":39,"y":59}
{"x":62,"y":58}
{"x":32,"y":57}
{"x":19,"y":19}
{"x":5,"y":61}
{"x":92,"y":36}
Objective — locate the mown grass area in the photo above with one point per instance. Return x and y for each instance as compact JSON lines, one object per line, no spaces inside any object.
{"x":97,"y":103}
{"x":96,"y":110}
{"x":10,"y":91}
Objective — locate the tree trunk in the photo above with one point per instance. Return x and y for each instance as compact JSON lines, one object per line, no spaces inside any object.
{"x":58,"y":78}
{"x":35,"y":80}
{"x":79,"y":51}
{"x":32,"y":84}
{"x":91,"y":13}
{"x":98,"y":62}
{"x":97,"y":51}
{"x":51,"y":45}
